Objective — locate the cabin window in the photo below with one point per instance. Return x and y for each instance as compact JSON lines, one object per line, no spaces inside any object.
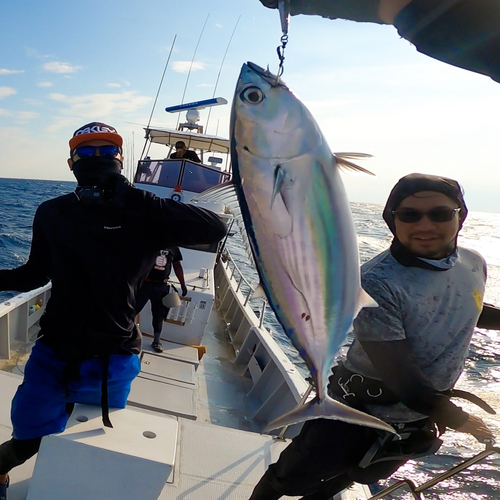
{"x":161,"y":172}
{"x":197,"y":179}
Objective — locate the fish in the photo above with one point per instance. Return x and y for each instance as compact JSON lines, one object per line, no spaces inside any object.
{"x":300,"y":230}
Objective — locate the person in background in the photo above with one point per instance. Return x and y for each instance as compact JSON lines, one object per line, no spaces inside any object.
{"x":182,"y":152}
{"x":407,"y":353}
{"x":464,"y":33}
{"x":156,"y":286}
{"x":96,"y":245}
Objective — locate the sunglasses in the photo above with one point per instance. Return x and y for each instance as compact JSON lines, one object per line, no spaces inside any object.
{"x":439,"y":214}
{"x":107,"y":151}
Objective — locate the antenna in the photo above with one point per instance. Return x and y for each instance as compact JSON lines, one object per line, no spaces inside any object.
{"x":192,"y":61}
{"x":192,"y":108}
{"x":158,"y":92}
{"x":220,"y":69}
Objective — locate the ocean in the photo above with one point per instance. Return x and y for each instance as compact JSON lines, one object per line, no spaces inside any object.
{"x":20,"y":198}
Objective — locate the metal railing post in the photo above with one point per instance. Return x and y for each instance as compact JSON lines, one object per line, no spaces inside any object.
{"x":416,"y":491}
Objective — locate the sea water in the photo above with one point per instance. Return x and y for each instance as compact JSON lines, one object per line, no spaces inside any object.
{"x":20,"y":198}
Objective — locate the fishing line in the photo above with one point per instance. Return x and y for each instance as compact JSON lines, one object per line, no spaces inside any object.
{"x":158,"y":93}
{"x":190,"y":67}
{"x":220,"y":69}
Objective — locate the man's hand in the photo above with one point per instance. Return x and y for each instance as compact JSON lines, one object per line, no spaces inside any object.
{"x":477,"y":428}
{"x":184,"y":290}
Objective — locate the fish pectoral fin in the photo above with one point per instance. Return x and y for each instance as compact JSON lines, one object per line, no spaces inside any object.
{"x":332,"y":409}
{"x":344,"y":163}
{"x":279,"y":177}
{"x":258,"y":293}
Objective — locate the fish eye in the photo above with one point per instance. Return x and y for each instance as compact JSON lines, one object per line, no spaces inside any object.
{"x":253,"y":95}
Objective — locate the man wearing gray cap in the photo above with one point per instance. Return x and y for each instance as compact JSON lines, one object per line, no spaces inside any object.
{"x":407,"y":353}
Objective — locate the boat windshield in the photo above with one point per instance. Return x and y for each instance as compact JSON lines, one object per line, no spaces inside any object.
{"x":194,"y":177}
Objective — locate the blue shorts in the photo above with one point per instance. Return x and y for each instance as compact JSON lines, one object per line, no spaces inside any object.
{"x":39,"y":406}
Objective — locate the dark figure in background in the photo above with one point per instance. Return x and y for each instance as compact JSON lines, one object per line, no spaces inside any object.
{"x":464,"y":33}
{"x":182,"y":152}
{"x":407,"y":353}
{"x":156,"y":286}
{"x":96,"y":245}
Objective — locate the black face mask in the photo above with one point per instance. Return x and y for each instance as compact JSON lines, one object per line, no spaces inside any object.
{"x":97,"y":171}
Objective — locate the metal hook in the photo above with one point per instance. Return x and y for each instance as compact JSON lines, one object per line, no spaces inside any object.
{"x":281,"y":54}
{"x":284,"y":10}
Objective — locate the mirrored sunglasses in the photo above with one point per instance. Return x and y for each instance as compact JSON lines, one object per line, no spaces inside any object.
{"x":439,"y":214}
{"x":107,"y":151}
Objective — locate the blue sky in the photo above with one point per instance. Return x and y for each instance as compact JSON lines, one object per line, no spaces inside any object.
{"x":66,"y":63}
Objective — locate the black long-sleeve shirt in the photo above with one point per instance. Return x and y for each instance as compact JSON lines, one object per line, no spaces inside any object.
{"x":97,"y":255}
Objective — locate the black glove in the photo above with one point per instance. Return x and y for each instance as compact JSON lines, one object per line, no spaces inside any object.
{"x":354,"y":10}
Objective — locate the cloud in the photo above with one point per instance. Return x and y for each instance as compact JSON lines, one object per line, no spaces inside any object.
{"x":34,"y":102}
{"x":45,"y":84}
{"x":5,"y":112}
{"x":6,"y":92}
{"x":4,"y":71}
{"x":58,"y":67}
{"x":27,"y":115}
{"x":183,"y":66}
{"x":97,"y":106}
{"x":115,"y":85}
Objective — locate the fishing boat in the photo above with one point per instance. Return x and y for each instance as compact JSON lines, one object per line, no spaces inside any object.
{"x":193,"y":425}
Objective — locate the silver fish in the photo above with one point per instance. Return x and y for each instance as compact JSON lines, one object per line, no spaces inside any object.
{"x":299,"y":224}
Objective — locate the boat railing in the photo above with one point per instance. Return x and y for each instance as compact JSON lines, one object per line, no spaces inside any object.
{"x":19,"y":319}
{"x":274,"y":382}
{"x":243,"y":285}
{"x":416,"y":491}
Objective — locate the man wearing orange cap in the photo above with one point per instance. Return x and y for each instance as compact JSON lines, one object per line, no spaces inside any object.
{"x":96,"y":245}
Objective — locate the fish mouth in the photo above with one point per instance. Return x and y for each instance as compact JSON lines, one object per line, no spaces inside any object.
{"x":279,"y":159}
{"x":273,"y":80}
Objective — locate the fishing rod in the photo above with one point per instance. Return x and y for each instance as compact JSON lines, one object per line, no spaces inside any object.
{"x":191,"y":66}
{"x":158,"y":92}
{"x":220,"y":70}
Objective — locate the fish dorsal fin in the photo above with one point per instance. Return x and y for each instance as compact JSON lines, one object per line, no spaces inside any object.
{"x":364,"y":300}
{"x":344,"y":163}
{"x":222,"y":193}
{"x":226,"y":194}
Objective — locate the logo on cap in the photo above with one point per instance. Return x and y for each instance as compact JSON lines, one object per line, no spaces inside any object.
{"x":95,"y":129}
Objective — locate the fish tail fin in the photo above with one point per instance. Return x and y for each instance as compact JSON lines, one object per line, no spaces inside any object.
{"x":328,"y":408}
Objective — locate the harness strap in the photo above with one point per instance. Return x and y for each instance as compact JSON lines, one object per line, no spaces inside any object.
{"x":104,"y":393}
{"x":457,"y":393}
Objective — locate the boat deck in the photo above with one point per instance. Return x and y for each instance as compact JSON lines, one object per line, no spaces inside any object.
{"x":215,"y":455}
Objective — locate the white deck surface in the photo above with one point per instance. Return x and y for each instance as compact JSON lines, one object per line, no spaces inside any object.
{"x":214,"y":459}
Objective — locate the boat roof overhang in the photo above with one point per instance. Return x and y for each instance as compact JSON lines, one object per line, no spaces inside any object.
{"x":204,"y":142}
